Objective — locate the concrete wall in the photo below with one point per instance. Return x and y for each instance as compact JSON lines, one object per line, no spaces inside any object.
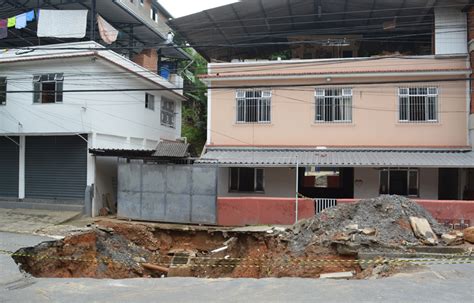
{"x":293,"y":110}
{"x":278,"y":182}
{"x":370,"y":177}
{"x":114,"y":119}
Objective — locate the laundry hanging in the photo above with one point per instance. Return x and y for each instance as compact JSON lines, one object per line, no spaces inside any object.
{"x":11,"y":21}
{"x":107,"y":32}
{"x":30,"y":16}
{"x":3,"y":28}
{"x":20,"y":21}
{"x":62,"y":23}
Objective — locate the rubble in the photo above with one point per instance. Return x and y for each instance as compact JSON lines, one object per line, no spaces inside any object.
{"x":422,"y":230}
{"x":453,"y":238}
{"x":379,"y":224}
{"x":468,"y":234}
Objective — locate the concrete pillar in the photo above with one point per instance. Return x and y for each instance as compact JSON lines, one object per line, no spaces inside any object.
{"x":91,"y":171}
{"x":21,"y":167}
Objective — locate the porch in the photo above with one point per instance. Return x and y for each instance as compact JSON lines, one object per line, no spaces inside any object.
{"x":259,"y":186}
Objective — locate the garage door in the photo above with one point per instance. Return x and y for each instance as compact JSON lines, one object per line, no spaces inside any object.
{"x":56,"y":167}
{"x":9,"y":161}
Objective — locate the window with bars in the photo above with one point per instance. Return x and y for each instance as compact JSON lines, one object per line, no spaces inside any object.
{"x":168,"y":113}
{"x":3,"y":90}
{"x":418,"y":104}
{"x":333,"y":105}
{"x":254,"y":106}
{"x":244,"y":179}
{"x":48,"y":88}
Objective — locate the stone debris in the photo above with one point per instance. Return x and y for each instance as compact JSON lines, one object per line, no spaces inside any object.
{"x":372,"y":225}
{"x":468,"y":234}
{"x":337,"y":275}
{"x":422,"y":230}
{"x":453,"y":238}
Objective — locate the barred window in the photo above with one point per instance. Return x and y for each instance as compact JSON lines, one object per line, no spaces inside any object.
{"x":168,"y":115}
{"x":254,"y":106}
{"x":333,"y":105}
{"x":418,"y":104}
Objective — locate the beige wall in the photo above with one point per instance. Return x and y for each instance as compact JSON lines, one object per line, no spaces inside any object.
{"x":279,"y":182}
{"x":369,"y":187}
{"x":375,"y":112}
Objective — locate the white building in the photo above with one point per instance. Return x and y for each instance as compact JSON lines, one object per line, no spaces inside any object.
{"x":51,"y":114}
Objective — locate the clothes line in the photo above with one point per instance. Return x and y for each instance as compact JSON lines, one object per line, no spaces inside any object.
{"x":19,"y":22}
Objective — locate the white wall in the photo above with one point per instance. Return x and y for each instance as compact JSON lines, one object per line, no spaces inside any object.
{"x":369,"y":187}
{"x":116,"y":119}
{"x":450,"y":31}
{"x":106,"y":173}
{"x":368,"y":183}
{"x":279,"y":182}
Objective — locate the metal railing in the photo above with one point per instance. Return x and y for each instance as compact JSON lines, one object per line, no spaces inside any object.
{"x":322,"y":204}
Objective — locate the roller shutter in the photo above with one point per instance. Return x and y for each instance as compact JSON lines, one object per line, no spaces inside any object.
{"x":9,"y":162}
{"x":56,"y":167}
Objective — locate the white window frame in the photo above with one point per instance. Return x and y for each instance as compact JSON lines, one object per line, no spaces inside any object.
{"x":326,"y":103}
{"x":168,"y":113}
{"x":3,"y":91}
{"x":407,"y":170}
{"x":263,"y":102}
{"x":405,"y":95}
{"x":149,"y":101}
{"x":154,"y":14}
{"x":255,"y":173}
{"x":40,"y":79}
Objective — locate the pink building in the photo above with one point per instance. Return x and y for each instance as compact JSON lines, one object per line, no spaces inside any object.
{"x":347,"y":118}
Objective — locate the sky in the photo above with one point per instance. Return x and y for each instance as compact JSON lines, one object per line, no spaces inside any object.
{"x":179,"y":8}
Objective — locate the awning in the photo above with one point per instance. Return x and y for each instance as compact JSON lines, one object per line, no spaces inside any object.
{"x":284,"y":157}
{"x":125,"y":153}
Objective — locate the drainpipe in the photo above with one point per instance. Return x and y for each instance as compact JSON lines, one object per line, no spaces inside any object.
{"x":297,"y":181}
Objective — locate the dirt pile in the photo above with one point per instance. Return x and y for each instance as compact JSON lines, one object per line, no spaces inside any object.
{"x":376,"y":224}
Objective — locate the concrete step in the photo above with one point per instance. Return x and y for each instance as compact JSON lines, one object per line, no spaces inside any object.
{"x":43,"y":206}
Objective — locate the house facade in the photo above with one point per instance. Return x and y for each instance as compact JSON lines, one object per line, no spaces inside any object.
{"x":60,"y":101}
{"x":347,"y":128}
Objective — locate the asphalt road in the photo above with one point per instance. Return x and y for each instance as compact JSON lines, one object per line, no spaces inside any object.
{"x":438,"y":283}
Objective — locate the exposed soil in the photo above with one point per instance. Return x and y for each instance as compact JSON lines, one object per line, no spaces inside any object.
{"x":118,"y":250}
{"x":329,"y":242}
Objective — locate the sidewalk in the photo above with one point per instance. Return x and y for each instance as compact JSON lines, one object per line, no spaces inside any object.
{"x":30,"y":221}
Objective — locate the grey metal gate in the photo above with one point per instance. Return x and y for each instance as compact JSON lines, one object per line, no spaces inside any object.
{"x":56,"y":167}
{"x":167,"y":192}
{"x":9,"y":167}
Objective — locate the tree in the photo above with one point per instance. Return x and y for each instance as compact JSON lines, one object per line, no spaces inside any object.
{"x":194,"y":126}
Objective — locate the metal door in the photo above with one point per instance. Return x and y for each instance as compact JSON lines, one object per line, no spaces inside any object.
{"x":9,"y":165}
{"x":56,"y":167}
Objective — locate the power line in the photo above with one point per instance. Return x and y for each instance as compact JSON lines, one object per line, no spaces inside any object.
{"x":252,"y":86}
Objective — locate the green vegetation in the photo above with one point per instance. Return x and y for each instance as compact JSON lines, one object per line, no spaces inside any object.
{"x":195,"y":109}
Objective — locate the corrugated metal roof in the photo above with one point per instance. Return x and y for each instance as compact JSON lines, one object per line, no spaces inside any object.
{"x":171,"y":149}
{"x":338,"y":157}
